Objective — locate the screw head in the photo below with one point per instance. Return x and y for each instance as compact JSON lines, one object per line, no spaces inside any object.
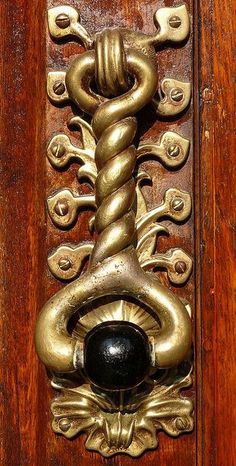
{"x":175,"y":22}
{"x":64,"y":264}
{"x":177,"y":94}
{"x":59,"y":88}
{"x":62,"y":21}
{"x":177,"y":204}
{"x":173,"y":150}
{"x":58,"y":150}
{"x":180,"y":267}
{"x":64,"y":424}
{"x":61,"y":208}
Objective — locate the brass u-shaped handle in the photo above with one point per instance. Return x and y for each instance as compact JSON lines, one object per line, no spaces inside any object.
{"x":120,"y":344}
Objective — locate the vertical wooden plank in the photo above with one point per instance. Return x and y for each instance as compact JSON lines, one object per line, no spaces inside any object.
{"x":173,"y":62}
{"x":22,"y":224}
{"x":217,"y":229}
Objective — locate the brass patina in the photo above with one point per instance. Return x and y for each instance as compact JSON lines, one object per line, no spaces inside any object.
{"x":118,"y":283}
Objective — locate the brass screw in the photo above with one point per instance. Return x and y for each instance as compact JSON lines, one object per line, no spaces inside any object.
{"x":64,"y":263}
{"x":173,"y":150}
{"x":61,"y":207}
{"x":180,"y":267}
{"x":177,"y":204}
{"x":175,"y":22}
{"x":64,"y":424}
{"x":58,"y":150}
{"x":177,"y":94}
{"x":59,"y":88}
{"x":63,"y":21}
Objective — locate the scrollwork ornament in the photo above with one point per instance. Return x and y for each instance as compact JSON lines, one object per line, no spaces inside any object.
{"x":118,"y":285}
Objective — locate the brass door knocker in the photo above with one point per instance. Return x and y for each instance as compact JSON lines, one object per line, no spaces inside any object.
{"x":118,"y":369}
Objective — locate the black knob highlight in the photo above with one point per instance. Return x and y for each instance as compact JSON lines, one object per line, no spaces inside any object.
{"x":116,"y":355}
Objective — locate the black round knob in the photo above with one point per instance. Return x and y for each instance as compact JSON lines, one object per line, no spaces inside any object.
{"x":116,"y":355}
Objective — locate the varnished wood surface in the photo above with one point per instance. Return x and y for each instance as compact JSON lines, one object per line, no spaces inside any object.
{"x":216,"y":250}
{"x":22,"y":183}
{"x":27,"y":234}
{"x":171,"y":62}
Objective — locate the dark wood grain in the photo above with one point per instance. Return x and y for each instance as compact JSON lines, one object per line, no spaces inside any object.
{"x":22,"y":251}
{"x":216,"y":250}
{"x":177,"y":62}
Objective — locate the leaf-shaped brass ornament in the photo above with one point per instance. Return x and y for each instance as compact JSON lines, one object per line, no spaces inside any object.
{"x":66,"y":261}
{"x":110,"y":432}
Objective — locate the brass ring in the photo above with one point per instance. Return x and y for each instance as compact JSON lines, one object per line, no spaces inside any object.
{"x":82,"y":72}
{"x":111,"y":65}
{"x":57,"y":349}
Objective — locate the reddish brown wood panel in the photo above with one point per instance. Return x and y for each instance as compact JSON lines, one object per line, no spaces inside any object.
{"x":26,"y":233}
{"x":173,"y":62}
{"x":22,"y":181}
{"x":216,"y":250}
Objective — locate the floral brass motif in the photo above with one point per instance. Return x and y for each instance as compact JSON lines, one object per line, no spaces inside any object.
{"x":118,"y":284}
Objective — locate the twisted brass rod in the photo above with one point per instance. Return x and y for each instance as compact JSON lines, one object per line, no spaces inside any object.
{"x":114,"y":127}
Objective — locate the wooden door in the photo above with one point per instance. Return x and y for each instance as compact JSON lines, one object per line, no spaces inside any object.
{"x":28,"y":121}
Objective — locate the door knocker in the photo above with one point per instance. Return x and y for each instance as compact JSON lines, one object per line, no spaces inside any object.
{"x":121,"y":368}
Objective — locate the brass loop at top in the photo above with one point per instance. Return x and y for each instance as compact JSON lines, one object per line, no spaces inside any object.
{"x":81,"y":73}
{"x":111,"y":66}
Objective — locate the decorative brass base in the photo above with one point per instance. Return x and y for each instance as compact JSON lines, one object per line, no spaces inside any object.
{"x":133,"y":430}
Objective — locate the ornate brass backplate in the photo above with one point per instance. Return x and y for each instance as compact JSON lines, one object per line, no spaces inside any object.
{"x":121,"y":366}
